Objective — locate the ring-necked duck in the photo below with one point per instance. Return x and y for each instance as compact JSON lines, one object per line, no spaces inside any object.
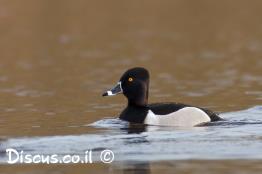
{"x":134,"y":85}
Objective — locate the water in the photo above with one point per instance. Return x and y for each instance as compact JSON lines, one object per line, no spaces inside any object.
{"x":138,"y":148}
{"x":238,"y":137}
{"x":57,"y":58}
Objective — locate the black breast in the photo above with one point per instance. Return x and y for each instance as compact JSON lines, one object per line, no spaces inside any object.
{"x":134,"y":114}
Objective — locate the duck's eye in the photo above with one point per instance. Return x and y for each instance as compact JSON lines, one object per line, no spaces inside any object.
{"x":130,"y":79}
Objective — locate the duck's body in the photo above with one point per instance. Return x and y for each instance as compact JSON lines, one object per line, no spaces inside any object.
{"x":134,"y":84}
{"x":168,"y":114}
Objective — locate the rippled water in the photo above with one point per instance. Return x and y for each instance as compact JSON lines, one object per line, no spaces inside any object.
{"x":136,"y":147}
{"x":238,"y":137}
{"x":56,"y":59}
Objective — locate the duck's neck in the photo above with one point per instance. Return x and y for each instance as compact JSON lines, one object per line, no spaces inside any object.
{"x":137,"y":103}
{"x":136,"y":110}
{"x":140,"y":98}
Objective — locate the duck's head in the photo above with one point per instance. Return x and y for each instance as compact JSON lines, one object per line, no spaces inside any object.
{"x":134,"y":85}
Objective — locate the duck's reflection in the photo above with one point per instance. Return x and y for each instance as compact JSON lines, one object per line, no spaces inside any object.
{"x":135,"y":128}
{"x":130,"y":167}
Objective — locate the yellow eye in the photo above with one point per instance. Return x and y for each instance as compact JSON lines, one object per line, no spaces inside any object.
{"x":130,"y":79}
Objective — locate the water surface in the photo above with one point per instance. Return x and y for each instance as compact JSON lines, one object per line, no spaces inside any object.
{"x":56,"y":59}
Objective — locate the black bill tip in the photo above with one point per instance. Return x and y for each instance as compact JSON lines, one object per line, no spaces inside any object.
{"x":116,"y":90}
{"x":105,"y":94}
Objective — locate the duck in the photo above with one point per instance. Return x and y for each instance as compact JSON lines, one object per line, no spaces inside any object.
{"x":134,"y":85}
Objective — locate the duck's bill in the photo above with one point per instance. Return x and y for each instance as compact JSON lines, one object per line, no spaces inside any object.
{"x":116,"y":90}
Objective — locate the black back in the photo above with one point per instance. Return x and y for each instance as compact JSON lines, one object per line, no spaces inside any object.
{"x":167,"y":108}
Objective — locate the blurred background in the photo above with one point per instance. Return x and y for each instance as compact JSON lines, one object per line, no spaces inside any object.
{"x":57,"y":57}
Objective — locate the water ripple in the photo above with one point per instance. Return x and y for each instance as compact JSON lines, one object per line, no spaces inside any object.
{"x":239,"y":136}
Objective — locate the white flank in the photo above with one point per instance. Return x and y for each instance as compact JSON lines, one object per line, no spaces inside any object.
{"x":188,"y":116}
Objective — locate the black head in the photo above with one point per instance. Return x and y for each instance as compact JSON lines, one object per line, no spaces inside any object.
{"x":134,"y":85}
